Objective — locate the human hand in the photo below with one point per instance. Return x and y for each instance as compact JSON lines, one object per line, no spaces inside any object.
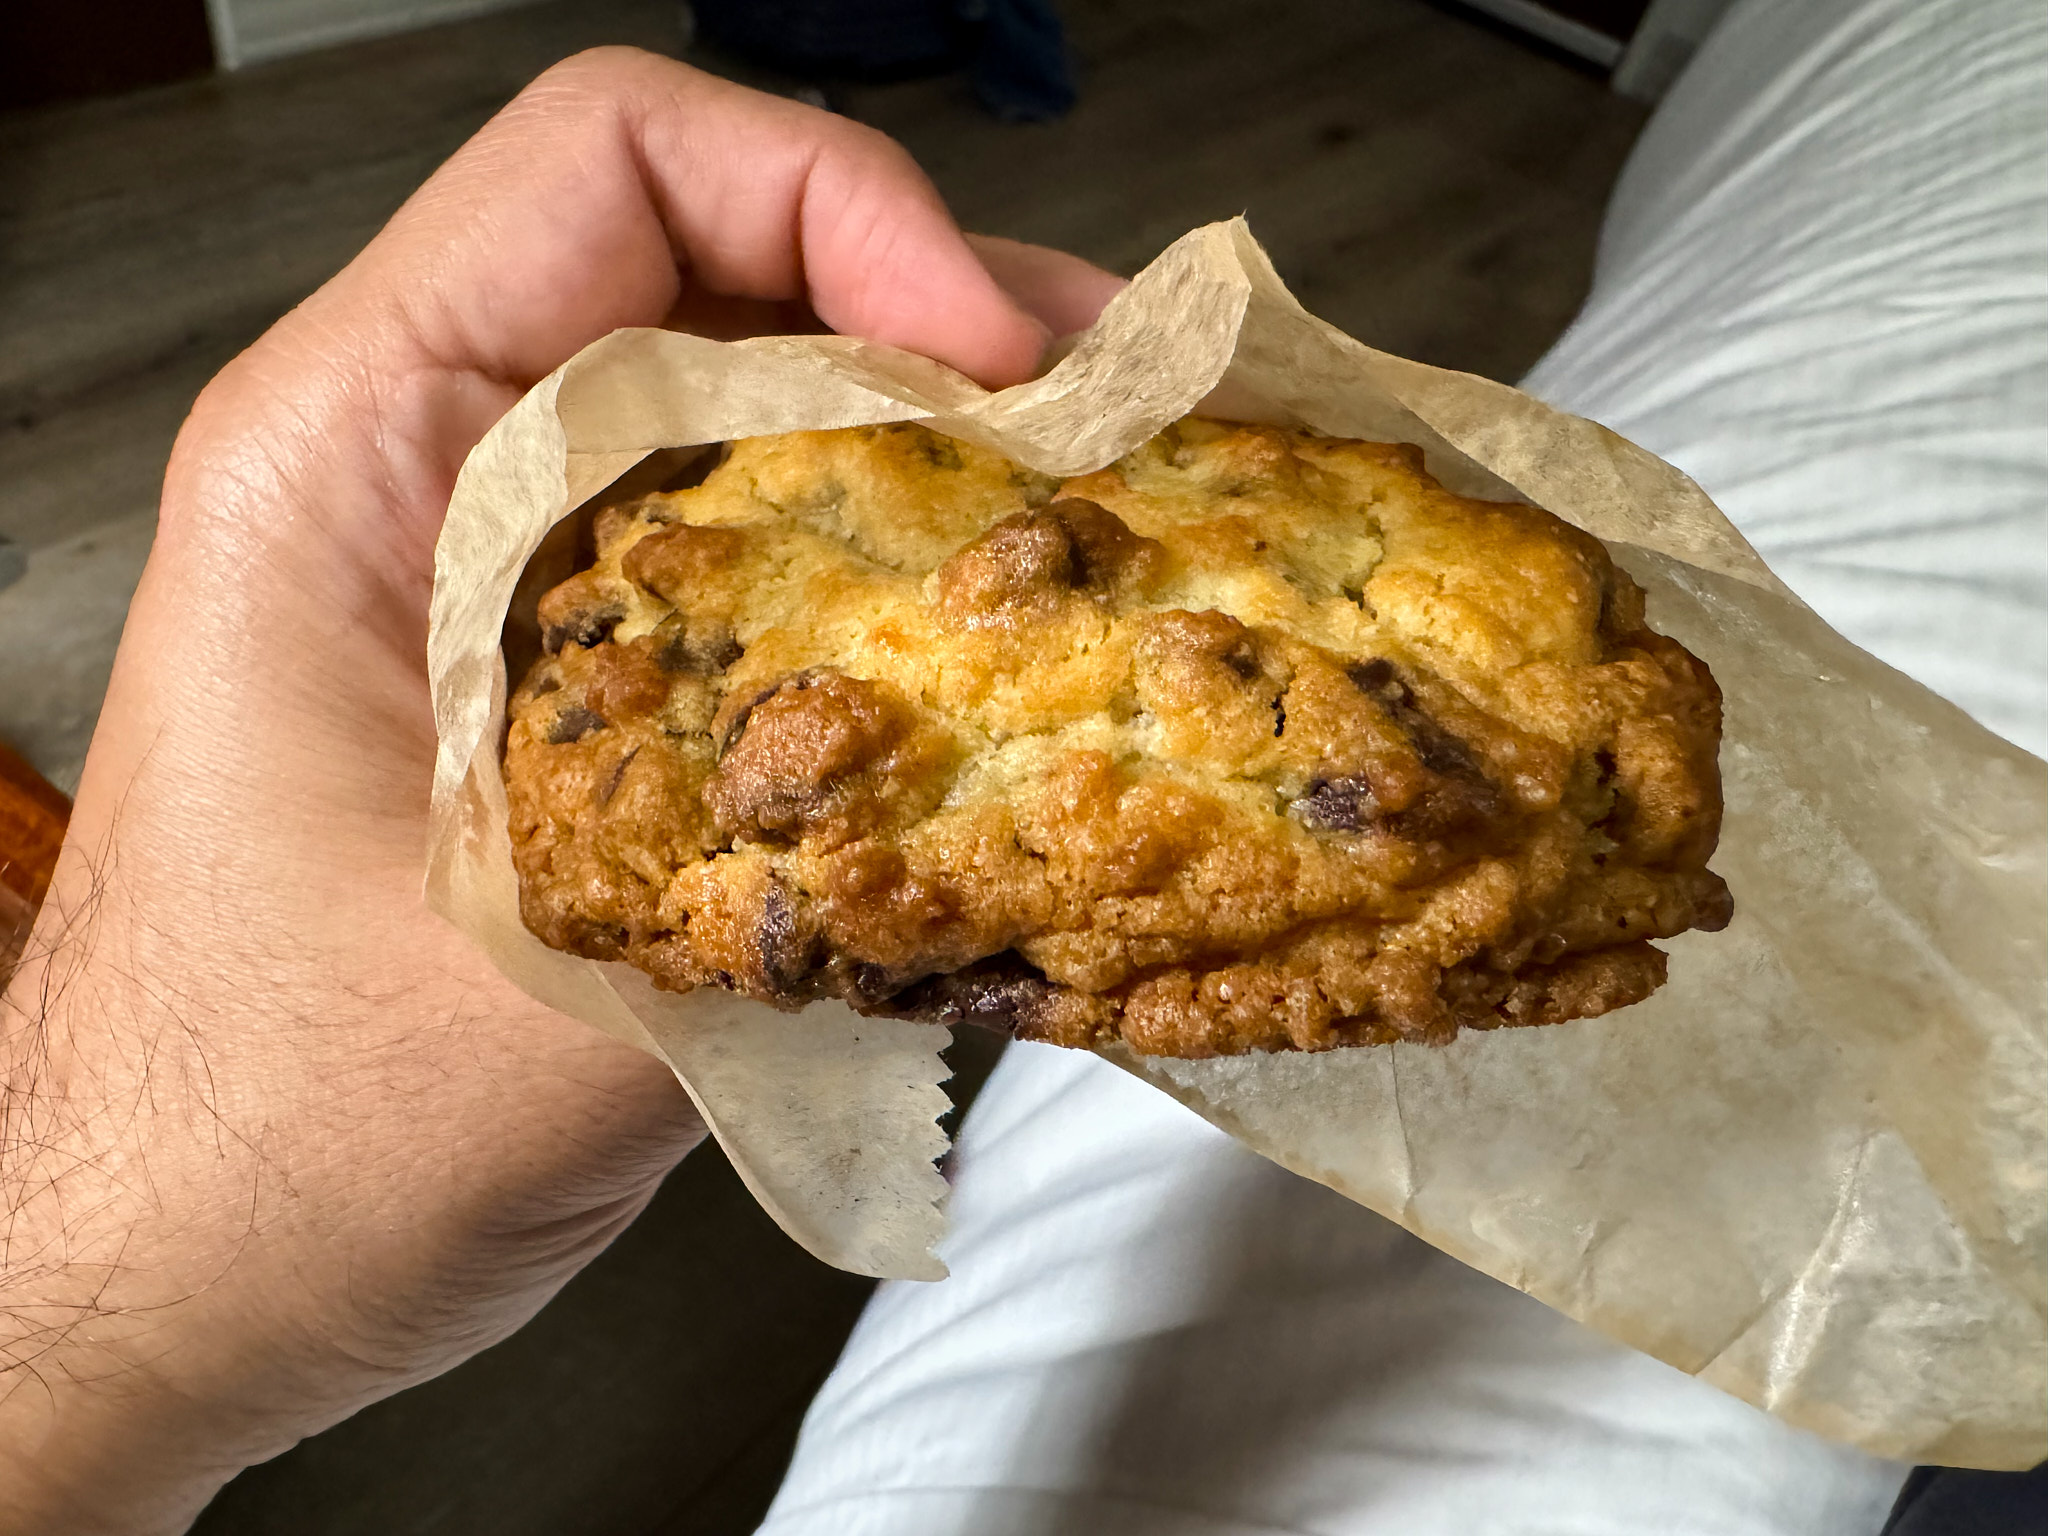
{"x":275,"y":1140}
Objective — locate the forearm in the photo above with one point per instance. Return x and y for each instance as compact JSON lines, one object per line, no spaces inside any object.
{"x":115,"y":1253}
{"x":114,"y":1450}
{"x":194,"y":1274}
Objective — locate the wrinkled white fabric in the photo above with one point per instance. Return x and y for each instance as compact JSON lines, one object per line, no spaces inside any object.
{"x":1150,"y":1330}
{"x":1823,"y":291}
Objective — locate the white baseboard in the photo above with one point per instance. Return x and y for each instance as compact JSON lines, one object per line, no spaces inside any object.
{"x":1560,"y":31}
{"x":256,"y":31}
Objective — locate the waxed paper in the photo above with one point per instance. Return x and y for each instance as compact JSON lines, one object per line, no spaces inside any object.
{"x":1811,"y":1170}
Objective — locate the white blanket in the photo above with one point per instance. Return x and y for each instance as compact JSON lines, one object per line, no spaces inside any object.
{"x":1823,"y":291}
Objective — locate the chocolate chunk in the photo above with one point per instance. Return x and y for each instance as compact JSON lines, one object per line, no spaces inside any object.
{"x":788,"y":947}
{"x":681,"y":559}
{"x":573,"y":724}
{"x":1444,"y":814}
{"x":1452,"y":811}
{"x":1379,"y":678}
{"x":611,"y":785}
{"x":868,"y":983}
{"x":1017,"y":571}
{"x":1460,"y":799}
{"x":1440,"y":751}
{"x":675,"y":654}
{"x":1207,"y":656}
{"x":793,"y":758}
{"x":584,"y":610}
{"x":1242,"y":660}
{"x":1105,"y":553}
{"x":699,"y":654}
{"x":720,"y":651}
{"x":609,"y":523}
{"x":585,"y":627}
{"x":1339,"y":805}
{"x":1027,"y":564}
{"x":1002,"y":993}
{"x":736,"y":726}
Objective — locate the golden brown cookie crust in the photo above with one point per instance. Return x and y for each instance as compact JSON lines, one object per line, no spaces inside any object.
{"x":1254,"y":740}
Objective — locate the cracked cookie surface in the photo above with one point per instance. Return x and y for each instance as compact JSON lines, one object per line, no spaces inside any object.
{"x":1254,"y":740}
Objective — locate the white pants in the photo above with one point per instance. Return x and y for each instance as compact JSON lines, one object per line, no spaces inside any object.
{"x":1823,"y":291}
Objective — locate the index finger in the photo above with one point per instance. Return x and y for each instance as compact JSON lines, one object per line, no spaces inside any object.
{"x":619,"y":179}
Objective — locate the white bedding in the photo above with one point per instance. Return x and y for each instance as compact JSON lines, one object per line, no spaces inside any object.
{"x":1823,"y":290}
{"x":1823,"y":293}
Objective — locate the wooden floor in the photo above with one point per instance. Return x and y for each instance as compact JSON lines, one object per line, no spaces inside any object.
{"x":1426,"y":183}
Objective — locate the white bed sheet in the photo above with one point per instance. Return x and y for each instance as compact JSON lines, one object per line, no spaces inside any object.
{"x":1823,"y":290}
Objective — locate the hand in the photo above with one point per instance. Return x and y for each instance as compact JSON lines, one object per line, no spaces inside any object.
{"x":276,"y":1141}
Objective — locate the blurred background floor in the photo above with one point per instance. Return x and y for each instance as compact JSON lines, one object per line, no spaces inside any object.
{"x":1422,"y":180}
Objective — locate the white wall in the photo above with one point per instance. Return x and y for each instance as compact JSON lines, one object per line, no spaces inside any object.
{"x":251,"y":31}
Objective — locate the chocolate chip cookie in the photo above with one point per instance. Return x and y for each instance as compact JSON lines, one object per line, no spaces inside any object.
{"x":1254,"y":740}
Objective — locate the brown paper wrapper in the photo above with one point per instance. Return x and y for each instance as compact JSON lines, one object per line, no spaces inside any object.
{"x":1811,"y":1170}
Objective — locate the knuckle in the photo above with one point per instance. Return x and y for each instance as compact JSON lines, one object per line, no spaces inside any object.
{"x":593,"y":76}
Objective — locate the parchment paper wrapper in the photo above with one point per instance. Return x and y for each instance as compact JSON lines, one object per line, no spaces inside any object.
{"x":1810,"y":1170}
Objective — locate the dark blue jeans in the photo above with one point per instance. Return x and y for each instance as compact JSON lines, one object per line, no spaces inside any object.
{"x":1943,"y":1501}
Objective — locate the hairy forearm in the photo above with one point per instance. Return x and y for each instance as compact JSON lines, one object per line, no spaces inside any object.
{"x":96,"y":1321}
{"x":229,"y":1222}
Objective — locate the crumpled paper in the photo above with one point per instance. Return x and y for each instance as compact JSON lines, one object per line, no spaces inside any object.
{"x":1811,"y":1170}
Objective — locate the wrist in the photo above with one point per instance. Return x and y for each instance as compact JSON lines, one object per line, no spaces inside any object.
{"x":95,"y":1445}
{"x":120,"y":1409}
{"x":181,"y":1243}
